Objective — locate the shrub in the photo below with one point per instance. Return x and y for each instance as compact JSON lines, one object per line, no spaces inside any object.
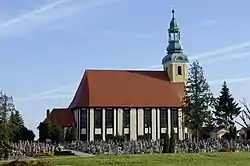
{"x":118,"y":138}
{"x":172,"y":141}
{"x":45,"y":154}
{"x":225,"y":150}
{"x":166,"y":143}
{"x":26,"y":163}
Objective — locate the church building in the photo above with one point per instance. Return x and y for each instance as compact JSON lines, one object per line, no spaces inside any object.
{"x":135,"y":103}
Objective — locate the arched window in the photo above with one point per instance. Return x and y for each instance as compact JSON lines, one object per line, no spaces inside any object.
{"x":179,"y":70}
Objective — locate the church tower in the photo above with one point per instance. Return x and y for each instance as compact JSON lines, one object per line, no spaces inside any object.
{"x":175,"y":63}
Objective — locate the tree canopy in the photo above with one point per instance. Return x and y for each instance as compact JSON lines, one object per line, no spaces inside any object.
{"x":226,"y":108}
{"x":12,"y":127}
{"x":197,"y":100}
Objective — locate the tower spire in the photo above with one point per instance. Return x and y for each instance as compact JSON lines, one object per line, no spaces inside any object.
{"x":174,"y":36}
{"x":173,"y":11}
{"x":174,"y":48}
{"x":175,"y":63}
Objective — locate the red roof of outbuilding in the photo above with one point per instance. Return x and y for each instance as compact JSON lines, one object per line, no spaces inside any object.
{"x":114,"y":88}
{"x":62,"y":117}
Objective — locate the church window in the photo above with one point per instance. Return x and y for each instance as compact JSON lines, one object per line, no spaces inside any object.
{"x":176,"y":36}
{"x":126,"y":118}
{"x":109,"y":118}
{"x":147,"y":117}
{"x":174,"y":117}
{"x":179,"y":70}
{"x":83,"y":137}
{"x":83,"y":118}
{"x":98,"y":118}
{"x":164,"y":117}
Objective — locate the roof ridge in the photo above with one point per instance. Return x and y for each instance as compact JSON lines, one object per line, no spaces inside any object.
{"x":123,"y":70}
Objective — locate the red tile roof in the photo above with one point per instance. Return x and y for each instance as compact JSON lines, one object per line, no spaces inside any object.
{"x":114,"y":88}
{"x":62,"y":117}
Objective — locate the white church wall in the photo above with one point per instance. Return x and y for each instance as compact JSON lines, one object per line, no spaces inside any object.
{"x":91,"y":124}
{"x":133,"y":132}
{"x":154,"y":125}
{"x":120,"y":121}
{"x":136,"y":126}
{"x":140,"y":121}
{"x":103,"y":124}
{"x":169,"y":121}
{"x":158,"y":124}
{"x":115,"y":122}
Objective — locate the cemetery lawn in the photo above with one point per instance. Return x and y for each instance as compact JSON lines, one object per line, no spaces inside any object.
{"x":203,"y":159}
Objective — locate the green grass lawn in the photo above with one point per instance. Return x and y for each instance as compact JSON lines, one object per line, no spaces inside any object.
{"x":203,"y":159}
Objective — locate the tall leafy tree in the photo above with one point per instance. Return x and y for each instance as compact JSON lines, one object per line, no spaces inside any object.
{"x":197,"y":100}
{"x":49,"y":130}
{"x":244,"y":116}
{"x":226,"y":108}
{"x":56,"y":133}
{"x":44,"y":130}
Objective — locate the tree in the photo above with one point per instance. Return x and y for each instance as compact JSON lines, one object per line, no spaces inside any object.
{"x":209,"y":124}
{"x":197,"y":100}
{"x":6,"y":107}
{"x":226,"y":108}
{"x":67,"y":135}
{"x":172,"y":141}
{"x":49,"y":130}
{"x":244,"y":116}
{"x":232,"y":132}
{"x":56,"y":133}
{"x":26,"y":134}
{"x":15,"y":124}
{"x":71,"y":134}
{"x":11,"y":121}
{"x":44,"y":130}
{"x":166,"y":143}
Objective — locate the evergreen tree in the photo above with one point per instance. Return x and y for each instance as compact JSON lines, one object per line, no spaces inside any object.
{"x":226,"y":108}
{"x":73,"y":134}
{"x":15,"y":124}
{"x":172,"y":141}
{"x":197,"y":100}
{"x":26,"y":135}
{"x":6,"y":107}
{"x":67,"y":135}
{"x":209,"y":124}
{"x":166,"y":143}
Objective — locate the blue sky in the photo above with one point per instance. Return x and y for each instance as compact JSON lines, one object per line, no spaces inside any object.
{"x":46,"y":45}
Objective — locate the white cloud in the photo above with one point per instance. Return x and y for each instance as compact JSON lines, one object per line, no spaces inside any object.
{"x":49,"y":94}
{"x":46,"y":14}
{"x":213,"y":53}
{"x":230,"y":80}
{"x":226,"y":58}
{"x":33,"y":13}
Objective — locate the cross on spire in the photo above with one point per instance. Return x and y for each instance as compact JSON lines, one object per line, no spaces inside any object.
{"x":173,"y":11}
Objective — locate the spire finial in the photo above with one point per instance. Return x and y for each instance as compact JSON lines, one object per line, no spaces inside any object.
{"x":173,"y":11}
